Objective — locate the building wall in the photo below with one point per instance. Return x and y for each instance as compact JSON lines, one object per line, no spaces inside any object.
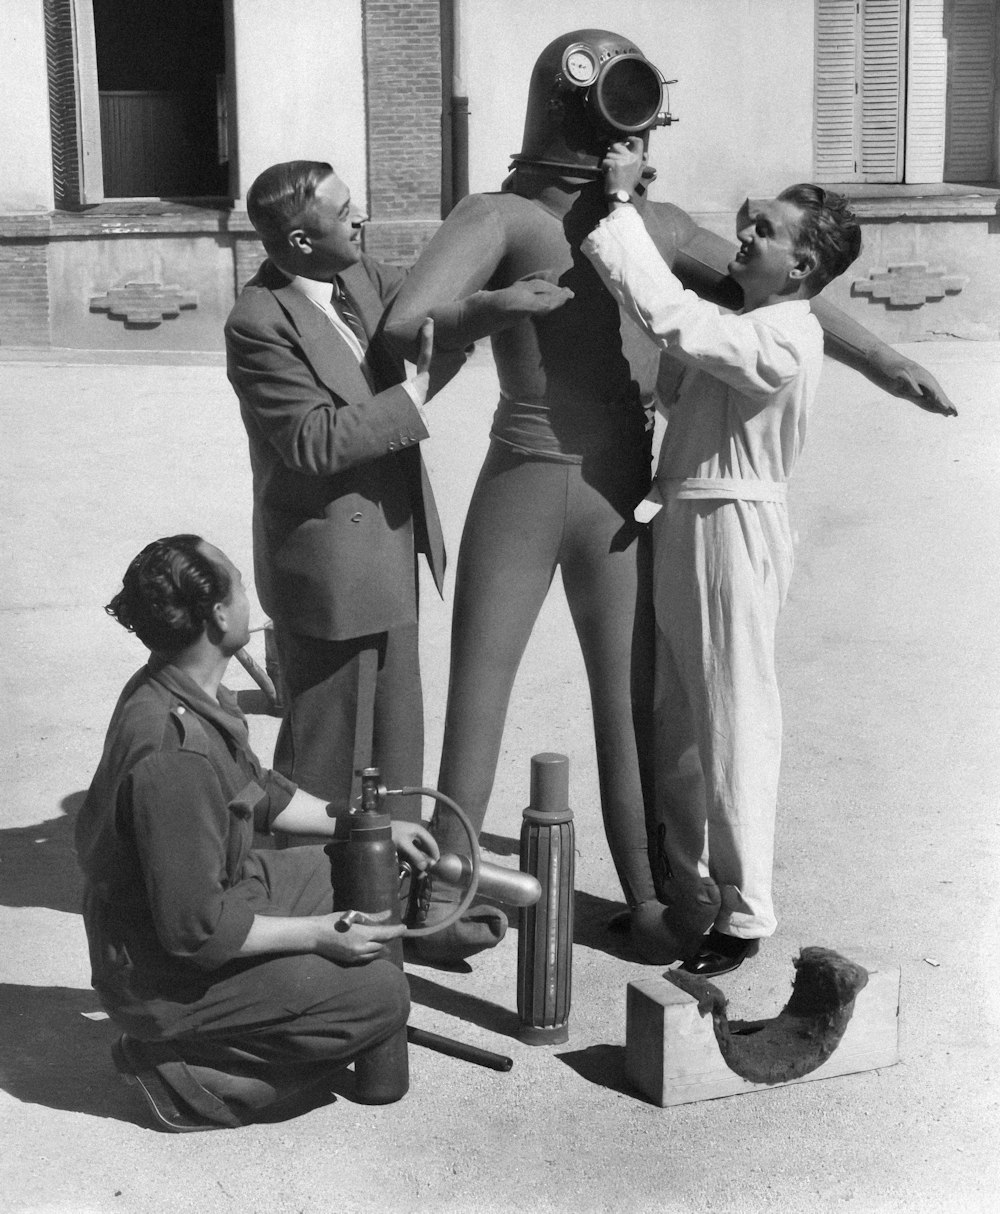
{"x":403,"y":56}
{"x":946,"y":268}
{"x":117,"y":284}
{"x":358,"y":82}
{"x":25,"y":146}
{"x":299,"y":85}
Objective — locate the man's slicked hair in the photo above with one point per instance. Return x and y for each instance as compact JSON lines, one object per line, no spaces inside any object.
{"x":828,"y":228}
{"x":281,"y":196}
{"x":168,"y":593}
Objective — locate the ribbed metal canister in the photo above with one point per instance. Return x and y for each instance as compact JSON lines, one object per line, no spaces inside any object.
{"x":545,"y":938}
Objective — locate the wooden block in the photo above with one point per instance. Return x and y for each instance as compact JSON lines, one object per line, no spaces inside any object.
{"x":672,"y":1055}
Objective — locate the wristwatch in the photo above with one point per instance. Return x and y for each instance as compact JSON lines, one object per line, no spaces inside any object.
{"x":619,"y":196}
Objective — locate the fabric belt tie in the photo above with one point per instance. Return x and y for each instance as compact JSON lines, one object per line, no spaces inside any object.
{"x":708,"y":488}
{"x":694,"y":488}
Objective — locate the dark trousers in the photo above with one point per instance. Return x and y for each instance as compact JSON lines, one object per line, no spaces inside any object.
{"x":352,"y":704}
{"x":263,"y":1024}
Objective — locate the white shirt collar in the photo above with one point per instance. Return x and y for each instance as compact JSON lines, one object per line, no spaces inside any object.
{"x":319,"y":292}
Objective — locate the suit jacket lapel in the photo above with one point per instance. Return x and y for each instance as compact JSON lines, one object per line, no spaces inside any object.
{"x":385,"y":364}
{"x":328,"y":354}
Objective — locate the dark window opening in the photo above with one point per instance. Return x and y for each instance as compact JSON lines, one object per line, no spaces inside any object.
{"x":161,"y":82}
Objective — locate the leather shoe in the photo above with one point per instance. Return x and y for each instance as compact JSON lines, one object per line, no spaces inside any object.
{"x":719,"y":954}
{"x":177,"y":1102}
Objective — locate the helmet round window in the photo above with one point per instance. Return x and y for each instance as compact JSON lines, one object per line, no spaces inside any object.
{"x":628,"y":94}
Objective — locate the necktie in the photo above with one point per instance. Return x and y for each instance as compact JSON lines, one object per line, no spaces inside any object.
{"x":345,"y":309}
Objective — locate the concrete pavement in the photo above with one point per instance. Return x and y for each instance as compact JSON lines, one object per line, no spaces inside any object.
{"x":887,"y":835}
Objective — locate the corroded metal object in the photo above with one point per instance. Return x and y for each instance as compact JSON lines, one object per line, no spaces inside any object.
{"x":802,"y":1036}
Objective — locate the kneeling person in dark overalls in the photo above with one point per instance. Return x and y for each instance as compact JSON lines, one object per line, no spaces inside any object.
{"x":224,"y":965}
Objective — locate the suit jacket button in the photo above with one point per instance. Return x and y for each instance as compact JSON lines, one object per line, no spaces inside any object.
{"x":392,"y":446}
{"x":356,"y":518}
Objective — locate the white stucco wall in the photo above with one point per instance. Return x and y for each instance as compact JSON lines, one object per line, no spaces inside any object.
{"x":25,"y":141}
{"x":743,"y":97}
{"x":300,"y":87}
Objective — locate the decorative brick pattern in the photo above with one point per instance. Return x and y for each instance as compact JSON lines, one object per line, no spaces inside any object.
{"x":248,"y":253}
{"x":909,"y":284}
{"x":403,"y":85}
{"x":145,"y":304}
{"x":24,"y":293}
{"x":399,"y":242}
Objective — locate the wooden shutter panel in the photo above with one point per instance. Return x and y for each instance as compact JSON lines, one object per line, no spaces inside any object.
{"x":836,"y":90}
{"x":970,"y":147}
{"x":926,"y":91}
{"x":860,"y":79}
{"x":73,"y":103}
{"x":882,"y":80}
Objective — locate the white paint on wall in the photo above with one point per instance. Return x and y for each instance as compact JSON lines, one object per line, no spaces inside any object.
{"x":300,"y":87}
{"x":25,"y":140}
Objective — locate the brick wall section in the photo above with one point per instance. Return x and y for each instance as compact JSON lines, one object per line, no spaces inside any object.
{"x":24,"y":293}
{"x":248,"y":253}
{"x":403,"y":87}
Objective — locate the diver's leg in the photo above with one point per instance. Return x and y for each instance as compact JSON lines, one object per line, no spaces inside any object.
{"x":505,"y":568}
{"x":603,"y":574}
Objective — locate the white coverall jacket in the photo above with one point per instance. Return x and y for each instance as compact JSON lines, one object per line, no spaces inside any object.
{"x":722,"y":564}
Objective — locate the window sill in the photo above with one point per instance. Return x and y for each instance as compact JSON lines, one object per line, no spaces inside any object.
{"x":128,"y":217}
{"x":936,"y":201}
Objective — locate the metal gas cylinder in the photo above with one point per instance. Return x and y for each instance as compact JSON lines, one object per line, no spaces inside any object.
{"x":365,"y":873}
{"x":545,"y":937}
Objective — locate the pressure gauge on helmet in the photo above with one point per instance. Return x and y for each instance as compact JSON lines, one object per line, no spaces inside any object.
{"x":579,"y":65}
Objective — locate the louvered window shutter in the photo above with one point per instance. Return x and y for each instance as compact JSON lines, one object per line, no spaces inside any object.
{"x":860,"y":79}
{"x":73,"y":102}
{"x":883,"y":33}
{"x":836,"y":90}
{"x":927,"y":65}
{"x":970,"y":147}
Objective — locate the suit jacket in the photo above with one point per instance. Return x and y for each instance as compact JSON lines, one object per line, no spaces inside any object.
{"x":341,"y":497}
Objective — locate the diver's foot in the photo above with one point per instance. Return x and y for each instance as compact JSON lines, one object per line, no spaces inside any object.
{"x":663,"y":934}
{"x":479,"y":928}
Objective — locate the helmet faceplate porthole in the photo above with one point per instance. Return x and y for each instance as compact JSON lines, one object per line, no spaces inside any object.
{"x":627,"y":94}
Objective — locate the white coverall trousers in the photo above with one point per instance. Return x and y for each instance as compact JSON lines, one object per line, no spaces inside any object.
{"x":721,"y":574}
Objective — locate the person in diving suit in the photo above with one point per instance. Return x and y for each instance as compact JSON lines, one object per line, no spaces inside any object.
{"x":569,"y":459}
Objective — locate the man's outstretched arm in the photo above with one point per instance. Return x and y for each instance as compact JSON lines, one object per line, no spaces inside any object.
{"x":700,"y":261}
{"x":851,"y":343}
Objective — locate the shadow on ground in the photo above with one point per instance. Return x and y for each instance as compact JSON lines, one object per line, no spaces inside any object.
{"x":39,"y":862}
{"x":602,"y":1065}
{"x":52,"y":1054}
{"x":469,"y":1008}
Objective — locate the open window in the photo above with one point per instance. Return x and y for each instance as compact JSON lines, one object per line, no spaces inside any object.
{"x":138,"y":99}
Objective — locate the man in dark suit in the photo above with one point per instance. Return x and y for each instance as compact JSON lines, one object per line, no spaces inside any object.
{"x":341,"y":499}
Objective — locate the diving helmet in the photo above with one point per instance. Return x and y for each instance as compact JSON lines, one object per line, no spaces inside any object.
{"x":589,"y":88}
